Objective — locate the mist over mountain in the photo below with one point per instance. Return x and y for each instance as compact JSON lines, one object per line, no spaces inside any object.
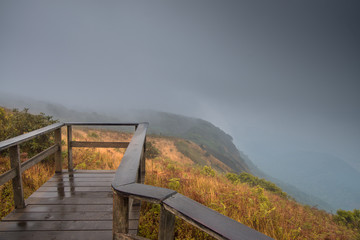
{"x":206,"y":135}
{"x":322,"y":175}
{"x":212,"y":139}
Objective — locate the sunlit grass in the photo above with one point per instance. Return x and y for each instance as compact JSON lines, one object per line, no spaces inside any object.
{"x":275,"y":216}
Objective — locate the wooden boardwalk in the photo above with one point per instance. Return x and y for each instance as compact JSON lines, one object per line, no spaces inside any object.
{"x":68,"y":206}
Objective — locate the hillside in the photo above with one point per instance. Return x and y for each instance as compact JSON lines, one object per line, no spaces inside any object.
{"x":177,"y":163}
{"x":329,"y":177}
{"x":210,"y":138}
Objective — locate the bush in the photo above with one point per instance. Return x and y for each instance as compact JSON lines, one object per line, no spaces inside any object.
{"x":254,"y":181}
{"x":14,"y":123}
{"x":208,"y":171}
{"x":350,"y":219}
{"x":151,"y":151}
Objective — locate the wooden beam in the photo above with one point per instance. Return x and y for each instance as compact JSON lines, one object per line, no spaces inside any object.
{"x":120,"y":215}
{"x":16,"y":181}
{"x":145,"y":192}
{"x":128,"y":169}
{"x":100,"y":144}
{"x":58,"y":154}
{"x":167,"y":225}
{"x":28,"y":136}
{"x":39,"y":157}
{"x":210,"y":221}
{"x":7,"y":176}
{"x":100,"y":124}
{"x":69,"y":139}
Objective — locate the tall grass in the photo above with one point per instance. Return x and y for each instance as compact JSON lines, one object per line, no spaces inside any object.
{"x":271,"y":214}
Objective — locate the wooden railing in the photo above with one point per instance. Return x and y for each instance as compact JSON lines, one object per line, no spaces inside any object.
{"x":128,"y":186}
{"x":17,"y":168}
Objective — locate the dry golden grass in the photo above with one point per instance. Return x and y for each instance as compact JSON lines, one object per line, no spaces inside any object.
{"x":266,"y":212}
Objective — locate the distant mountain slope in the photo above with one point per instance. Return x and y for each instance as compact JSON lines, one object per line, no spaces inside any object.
{"x":209,"y":137}
{"x":212,"y":139}
{"x":293,"y":191}
{"x":323,"y":175}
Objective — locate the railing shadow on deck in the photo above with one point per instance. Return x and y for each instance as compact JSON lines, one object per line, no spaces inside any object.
{"x":128,"y":185}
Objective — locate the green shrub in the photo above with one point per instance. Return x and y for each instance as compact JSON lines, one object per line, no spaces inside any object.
{"x":208,"y":171}
{"x":151,"y":151}
{"x":350,"y":219}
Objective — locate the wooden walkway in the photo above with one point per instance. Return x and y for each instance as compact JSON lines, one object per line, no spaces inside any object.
{"x":68,"y":206}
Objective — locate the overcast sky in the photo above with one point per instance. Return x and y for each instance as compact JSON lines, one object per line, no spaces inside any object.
{"x":276,"y":75}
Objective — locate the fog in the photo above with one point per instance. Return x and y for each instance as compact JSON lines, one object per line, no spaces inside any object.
{"x":279,"y":76}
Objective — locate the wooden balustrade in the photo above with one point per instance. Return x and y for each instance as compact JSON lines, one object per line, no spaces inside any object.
{"x":17,"y":168}
{"x":128,"y":185}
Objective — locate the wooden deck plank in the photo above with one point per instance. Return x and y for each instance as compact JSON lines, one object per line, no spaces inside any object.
{"x":72,"y":194}
{"x":59,"y":216}
{"x":56,"y":235}
{"x":83,"y":174}
{"x":82,"y":179}
{"x":14,"y":226}
{"x":66,"y":201}
{"x":78,"y":189}
{"x":55,"y":225}
{"x":76,"y":184}
{"x":68,"y":206}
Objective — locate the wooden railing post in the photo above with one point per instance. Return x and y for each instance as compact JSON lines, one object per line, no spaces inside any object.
{"x":16,"y":181}
{"x":58,"y":157}
{"x":69,"y":139}
{"x":120,"y":215}
{"x":142,"y":164}
{"x":167,"y":224}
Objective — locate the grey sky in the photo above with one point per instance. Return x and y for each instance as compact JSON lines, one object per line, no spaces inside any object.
{"x":276,"y":75}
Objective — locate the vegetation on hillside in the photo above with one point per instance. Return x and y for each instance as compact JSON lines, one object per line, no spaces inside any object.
{"x":254,"y":181}
{"x":252,"y":201}
{"x":14,"y":123}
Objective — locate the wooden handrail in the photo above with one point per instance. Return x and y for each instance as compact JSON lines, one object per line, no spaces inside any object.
{"x":28,"y":136}
{"x":126,"y":186}
{"x":17,"y":168}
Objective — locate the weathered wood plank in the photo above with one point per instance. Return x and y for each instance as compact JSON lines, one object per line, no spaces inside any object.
{"x":86,"y":175}
{"x":27,"y":136}
{"x":78,"y":189}
{"x":78,"y":171}
{"x":39,"y":157}
{"x":71,"y":201}
{"x":99,"y":144}
{"x":74,"y":194}
{"x":127,"y":171}
{"x":82,"y":179}
{"x":56,"y":235}
{"x":7,"y":176}
{"x":209,"y":220}
{"x":120,"y":216}
{"x":17,"y":181}
{"x":55,"y":225}
{"x":70,"y":158}
{"x":58,"y":216}
{"x":145,"y":192}
{"x":58,"y":157}
{"x":76,"y":184}
{"x":66,"y":208}
{"x":167,"y":225}
{"x":101,"y":124}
